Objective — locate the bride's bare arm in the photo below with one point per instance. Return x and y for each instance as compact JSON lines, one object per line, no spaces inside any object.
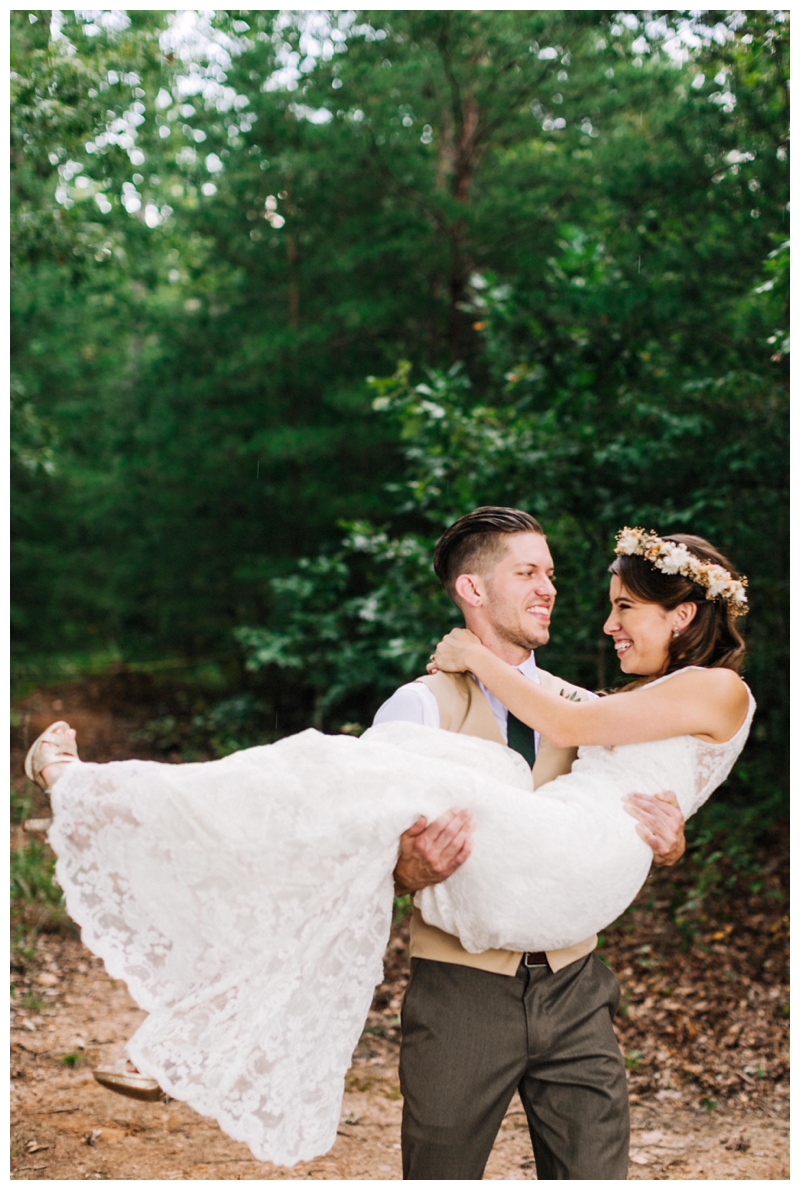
{"x":709,"y":703}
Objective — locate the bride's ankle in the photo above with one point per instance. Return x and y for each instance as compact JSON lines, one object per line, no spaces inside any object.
{"x":53,"y":772}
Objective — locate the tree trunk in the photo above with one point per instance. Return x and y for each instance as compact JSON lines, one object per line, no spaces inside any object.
{"x":294,"y":292}
{"x":465,"y":155}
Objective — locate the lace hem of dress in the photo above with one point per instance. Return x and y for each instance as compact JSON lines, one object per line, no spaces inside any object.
{"x":259,"y":1034}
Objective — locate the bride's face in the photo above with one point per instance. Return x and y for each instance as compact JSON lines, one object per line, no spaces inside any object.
{"x":641,"y":631}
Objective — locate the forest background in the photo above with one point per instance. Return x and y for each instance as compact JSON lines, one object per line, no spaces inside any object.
{"x":292,"y":291}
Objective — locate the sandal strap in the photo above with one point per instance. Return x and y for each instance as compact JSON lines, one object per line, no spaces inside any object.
{"x":37,"y":759}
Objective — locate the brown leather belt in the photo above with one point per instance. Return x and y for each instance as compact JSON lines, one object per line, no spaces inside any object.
{"x":535,"y":958}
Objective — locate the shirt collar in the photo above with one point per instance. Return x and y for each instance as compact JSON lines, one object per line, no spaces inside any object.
{"x":528,"y":668}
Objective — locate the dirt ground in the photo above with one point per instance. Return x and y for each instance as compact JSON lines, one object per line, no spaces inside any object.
{"x":65,"y":1126}
{"x":67,"y":1016}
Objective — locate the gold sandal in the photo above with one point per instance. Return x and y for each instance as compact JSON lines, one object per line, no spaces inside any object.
{"x":48,"y":749}
{"x":123,"y":1078}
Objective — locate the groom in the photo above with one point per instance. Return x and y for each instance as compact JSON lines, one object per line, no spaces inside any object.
{"x":477,"y":1027}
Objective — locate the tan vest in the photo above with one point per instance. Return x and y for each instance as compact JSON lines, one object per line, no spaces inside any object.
{"x":463,"y":708}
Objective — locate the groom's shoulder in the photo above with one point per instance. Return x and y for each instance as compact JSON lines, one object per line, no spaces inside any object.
{"x":441,"y":681}
{"x":453,"y":692}
{"x":556,"y":685}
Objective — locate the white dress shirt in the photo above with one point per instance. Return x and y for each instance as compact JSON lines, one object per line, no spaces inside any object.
{"x":416,"y":703}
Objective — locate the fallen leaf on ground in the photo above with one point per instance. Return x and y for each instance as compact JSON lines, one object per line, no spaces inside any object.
{"x":738,"y":1144}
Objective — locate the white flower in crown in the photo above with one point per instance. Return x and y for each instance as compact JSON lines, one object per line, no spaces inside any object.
{"x":675,"y":560}
{"x":628,"y":541}
{"x":718,"y":581}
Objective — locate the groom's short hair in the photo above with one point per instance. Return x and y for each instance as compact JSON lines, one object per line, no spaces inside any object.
{"x":474,"y":544}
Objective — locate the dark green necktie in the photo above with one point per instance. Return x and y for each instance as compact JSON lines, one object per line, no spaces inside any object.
{"x":521,"y":738}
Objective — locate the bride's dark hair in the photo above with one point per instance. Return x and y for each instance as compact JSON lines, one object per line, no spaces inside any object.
{"x":712,"y":638}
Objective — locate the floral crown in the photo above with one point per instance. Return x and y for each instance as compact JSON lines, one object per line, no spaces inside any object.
{"x":672,"y":557}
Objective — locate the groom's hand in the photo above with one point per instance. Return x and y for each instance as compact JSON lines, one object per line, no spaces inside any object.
{"x":660,"y":823}
{"x":429,"y":853}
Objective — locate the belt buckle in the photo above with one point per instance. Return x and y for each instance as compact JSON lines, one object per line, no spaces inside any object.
{"x":540,"y":962}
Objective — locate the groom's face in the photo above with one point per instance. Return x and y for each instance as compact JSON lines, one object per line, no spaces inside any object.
{"x":520,"y":593}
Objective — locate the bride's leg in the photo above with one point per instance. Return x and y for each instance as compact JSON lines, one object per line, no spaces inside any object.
{"x":47,"y":761}
{"x":45,"y":764}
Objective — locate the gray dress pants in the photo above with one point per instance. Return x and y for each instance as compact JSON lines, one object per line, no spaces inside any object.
{"x":470,"y":1038}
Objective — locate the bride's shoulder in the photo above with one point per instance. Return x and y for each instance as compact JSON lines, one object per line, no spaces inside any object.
{"x":721,"y":678}
{"x":722,"y":685}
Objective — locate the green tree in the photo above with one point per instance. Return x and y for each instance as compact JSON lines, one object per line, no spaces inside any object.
{"x":556,"y":200}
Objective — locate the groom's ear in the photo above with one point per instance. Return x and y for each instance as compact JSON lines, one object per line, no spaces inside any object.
{"x":469,"y":589}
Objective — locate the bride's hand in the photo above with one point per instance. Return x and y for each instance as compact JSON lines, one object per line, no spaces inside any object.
{"x":454,"y":652}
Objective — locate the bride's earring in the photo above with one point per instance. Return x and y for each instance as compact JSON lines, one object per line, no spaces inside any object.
{"x":676,"y":631}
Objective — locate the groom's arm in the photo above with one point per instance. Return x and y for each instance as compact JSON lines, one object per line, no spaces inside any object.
{"x":429,"y":852}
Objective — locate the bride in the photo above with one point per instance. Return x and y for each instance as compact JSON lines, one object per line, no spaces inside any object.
{"x":247,"y":901}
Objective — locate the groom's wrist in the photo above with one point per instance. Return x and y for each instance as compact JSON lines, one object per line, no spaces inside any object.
{"x":402,"y":889}
{"x":403,"y":884}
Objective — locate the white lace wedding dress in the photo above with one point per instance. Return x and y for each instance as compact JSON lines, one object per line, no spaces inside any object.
{"x":247,"y":901}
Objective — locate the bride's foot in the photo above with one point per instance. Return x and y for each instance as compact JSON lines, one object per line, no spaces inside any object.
{"x":125,"y":1079}
{"x":50,"y":755}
